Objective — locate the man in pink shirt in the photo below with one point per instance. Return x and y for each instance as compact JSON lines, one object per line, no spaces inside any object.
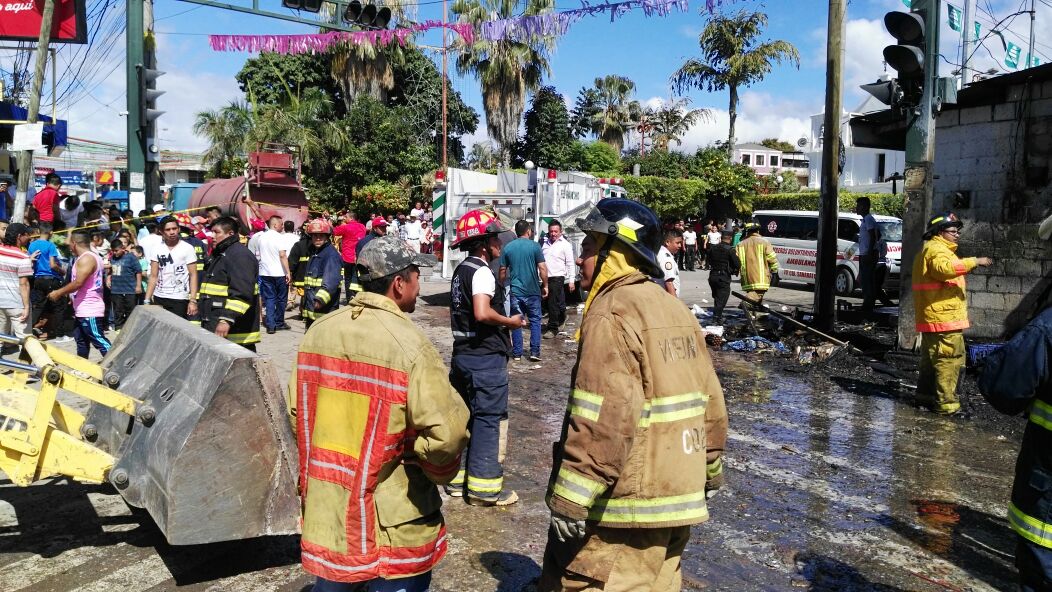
{"x":89,"y":306}
{"x":46,"y":200}
{"x":351,"y":231}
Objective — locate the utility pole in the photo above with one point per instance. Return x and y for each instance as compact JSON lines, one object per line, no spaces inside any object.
{"x":967,"y":31}
{"x":919,"y":180}
{"x":825,"y":278}
{"x":1030,"y":52}
{"x":136,"y":146}
{"x":445,"y":82}
{"x":25,"y":157}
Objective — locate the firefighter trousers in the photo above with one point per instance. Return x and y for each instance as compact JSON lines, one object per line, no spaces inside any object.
{"x":615,"y":560}
{"x":941,"y":360}
{"x":1035,"y":566}
{"x":483,"y":383}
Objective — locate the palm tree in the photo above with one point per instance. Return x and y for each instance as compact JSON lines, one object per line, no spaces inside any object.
{"x":482,"y":156}
{"x":507,"y":69}
{"x":303,"y":119}
{"x":226,"y":130}
{"x":616,"y":112}
{"x":732,"y":57}
{"x":364,"y":68}
{"x":673,"y":119}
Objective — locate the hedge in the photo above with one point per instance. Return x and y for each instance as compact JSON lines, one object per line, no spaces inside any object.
{"x":883,"y":203}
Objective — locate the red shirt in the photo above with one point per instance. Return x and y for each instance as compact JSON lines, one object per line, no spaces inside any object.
{"x":44,"y":202}
{"x":351,"y":233}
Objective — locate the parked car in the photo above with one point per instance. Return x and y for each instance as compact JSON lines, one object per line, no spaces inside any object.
{"x":794,"y":236}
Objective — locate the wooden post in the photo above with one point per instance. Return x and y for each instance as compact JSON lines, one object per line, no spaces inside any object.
{"x":829,"y":210}
{"x":25,"y":157}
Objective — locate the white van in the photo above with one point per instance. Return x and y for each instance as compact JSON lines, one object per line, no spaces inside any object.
{"x":794,"y":236}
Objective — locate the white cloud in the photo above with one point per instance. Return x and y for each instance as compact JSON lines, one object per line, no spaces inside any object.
{"x":864,"y":43}
{"x":760,"y":115}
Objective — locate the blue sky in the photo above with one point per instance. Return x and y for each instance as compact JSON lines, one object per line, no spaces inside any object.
{"x":647,"y":50}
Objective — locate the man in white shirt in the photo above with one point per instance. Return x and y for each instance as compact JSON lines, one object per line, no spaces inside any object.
{"x":274,"y":274}
{"x":667,"y":260}
{"x":172,"y":285}
{"x":868,"y":255}
{"x":690,"y":246}
{"x":562,"y":271}
{"x":418,"y":211}
{"x":414,"y":232}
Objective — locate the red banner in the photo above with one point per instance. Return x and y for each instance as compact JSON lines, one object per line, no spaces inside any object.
{"x":20,"y":21}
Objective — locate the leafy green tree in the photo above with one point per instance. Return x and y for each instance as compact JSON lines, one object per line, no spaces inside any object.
{"x":418,"y":89}
{"x":306,"y":120}
{"x":380,"y":146}
{"x":585,"y":110}
{"x":482,"y":157}
{"x":507,"y":69}
{"x":776,"y":144}
{"x":668,"y":197}
{"x":225,"y":129}
{"x":547,"y":141}
{"x":733,"y":57}
{"x":600,"y":157}
{"x":731,"y":185}
{"x":269,"y":78}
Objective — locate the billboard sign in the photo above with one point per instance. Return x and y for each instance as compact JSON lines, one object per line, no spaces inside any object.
{"x":20,"y":21}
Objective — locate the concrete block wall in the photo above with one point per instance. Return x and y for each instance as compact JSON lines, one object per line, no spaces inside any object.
{"x":972,"y":153}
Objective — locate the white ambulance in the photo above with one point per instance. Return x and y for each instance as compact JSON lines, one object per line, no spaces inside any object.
{"x":794,"y":236}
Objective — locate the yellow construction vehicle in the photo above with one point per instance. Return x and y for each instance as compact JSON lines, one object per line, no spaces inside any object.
{"x":184,"y":424}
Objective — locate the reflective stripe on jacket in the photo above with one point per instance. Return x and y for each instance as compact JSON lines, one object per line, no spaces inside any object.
{"x":322,"y":281}
{"x":758,"y":262}
{"x":939,"y":302}
{"x":645,"y":413}
{"x":1018,"y":379}
{"x":368,"y":391}
{"x":230,"y":292}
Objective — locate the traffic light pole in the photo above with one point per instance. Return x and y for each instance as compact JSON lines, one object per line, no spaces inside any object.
{"x":151,"y":150}
{"x":825,"y":279}
{"x":919,"y":179}
{"x":135,"y":60}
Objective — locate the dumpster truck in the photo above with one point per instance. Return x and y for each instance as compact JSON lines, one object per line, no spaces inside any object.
{"x":188,"y":426}
{"x":272,"y":180}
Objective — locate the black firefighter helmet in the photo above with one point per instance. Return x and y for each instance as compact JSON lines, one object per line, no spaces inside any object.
{"x":630,"y":222}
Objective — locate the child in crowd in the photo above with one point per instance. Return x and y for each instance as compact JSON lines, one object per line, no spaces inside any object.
{"x":144,"y":269}
{"x":124,"y":282}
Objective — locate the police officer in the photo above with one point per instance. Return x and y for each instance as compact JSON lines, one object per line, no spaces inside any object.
{"x":324,"y":272}
{"x":723,"y":263}
{"x":668,"y":256}
{"x":481,"y":345}
{"x":230,"y":293}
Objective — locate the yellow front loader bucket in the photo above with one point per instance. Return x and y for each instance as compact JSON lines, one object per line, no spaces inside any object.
{"x":209,"y":451}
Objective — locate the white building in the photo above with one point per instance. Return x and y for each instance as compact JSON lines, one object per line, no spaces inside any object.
{"x":766,"y":161}
{"x":865,"y":169}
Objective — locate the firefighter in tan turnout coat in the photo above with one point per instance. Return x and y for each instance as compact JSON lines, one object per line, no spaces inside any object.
{"x":645,"y":425}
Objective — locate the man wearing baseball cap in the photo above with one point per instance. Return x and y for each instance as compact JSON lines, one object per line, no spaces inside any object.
{"x":378,"y":227}
{"x":370,"y":390}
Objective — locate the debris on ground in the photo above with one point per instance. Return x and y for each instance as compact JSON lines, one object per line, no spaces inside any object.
{"x":755,"y":343}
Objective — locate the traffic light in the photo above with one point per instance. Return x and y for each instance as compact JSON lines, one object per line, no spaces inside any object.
{"x":886,"y":91}
{"x":148,"y":95}
{"x":907,"y":57}
{"x":308,"y":5}
{"x":367,"y":15}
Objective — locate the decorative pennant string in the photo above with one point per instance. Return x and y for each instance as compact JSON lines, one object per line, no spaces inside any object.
{"x":320,"y":42}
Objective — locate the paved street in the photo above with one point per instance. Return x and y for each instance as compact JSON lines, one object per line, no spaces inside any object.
{"x":833,"y":484}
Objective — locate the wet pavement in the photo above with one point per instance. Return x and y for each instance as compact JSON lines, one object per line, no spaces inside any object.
{"x":832,"y":485}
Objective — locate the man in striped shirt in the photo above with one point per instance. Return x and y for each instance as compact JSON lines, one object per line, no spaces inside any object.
{"x":16,"y":267}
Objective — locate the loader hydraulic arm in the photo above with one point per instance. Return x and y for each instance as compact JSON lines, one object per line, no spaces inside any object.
{"x":41,"y":436}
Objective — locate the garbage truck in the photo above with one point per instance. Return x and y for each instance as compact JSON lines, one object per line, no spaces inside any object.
{"x":184,"y":424}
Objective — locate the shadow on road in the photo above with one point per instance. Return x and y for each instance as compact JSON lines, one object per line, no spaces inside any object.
{"x":59,"y":516}
{"x":974,"y":541}
{"x":513,"y":572}
{"x":826,"y":574}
